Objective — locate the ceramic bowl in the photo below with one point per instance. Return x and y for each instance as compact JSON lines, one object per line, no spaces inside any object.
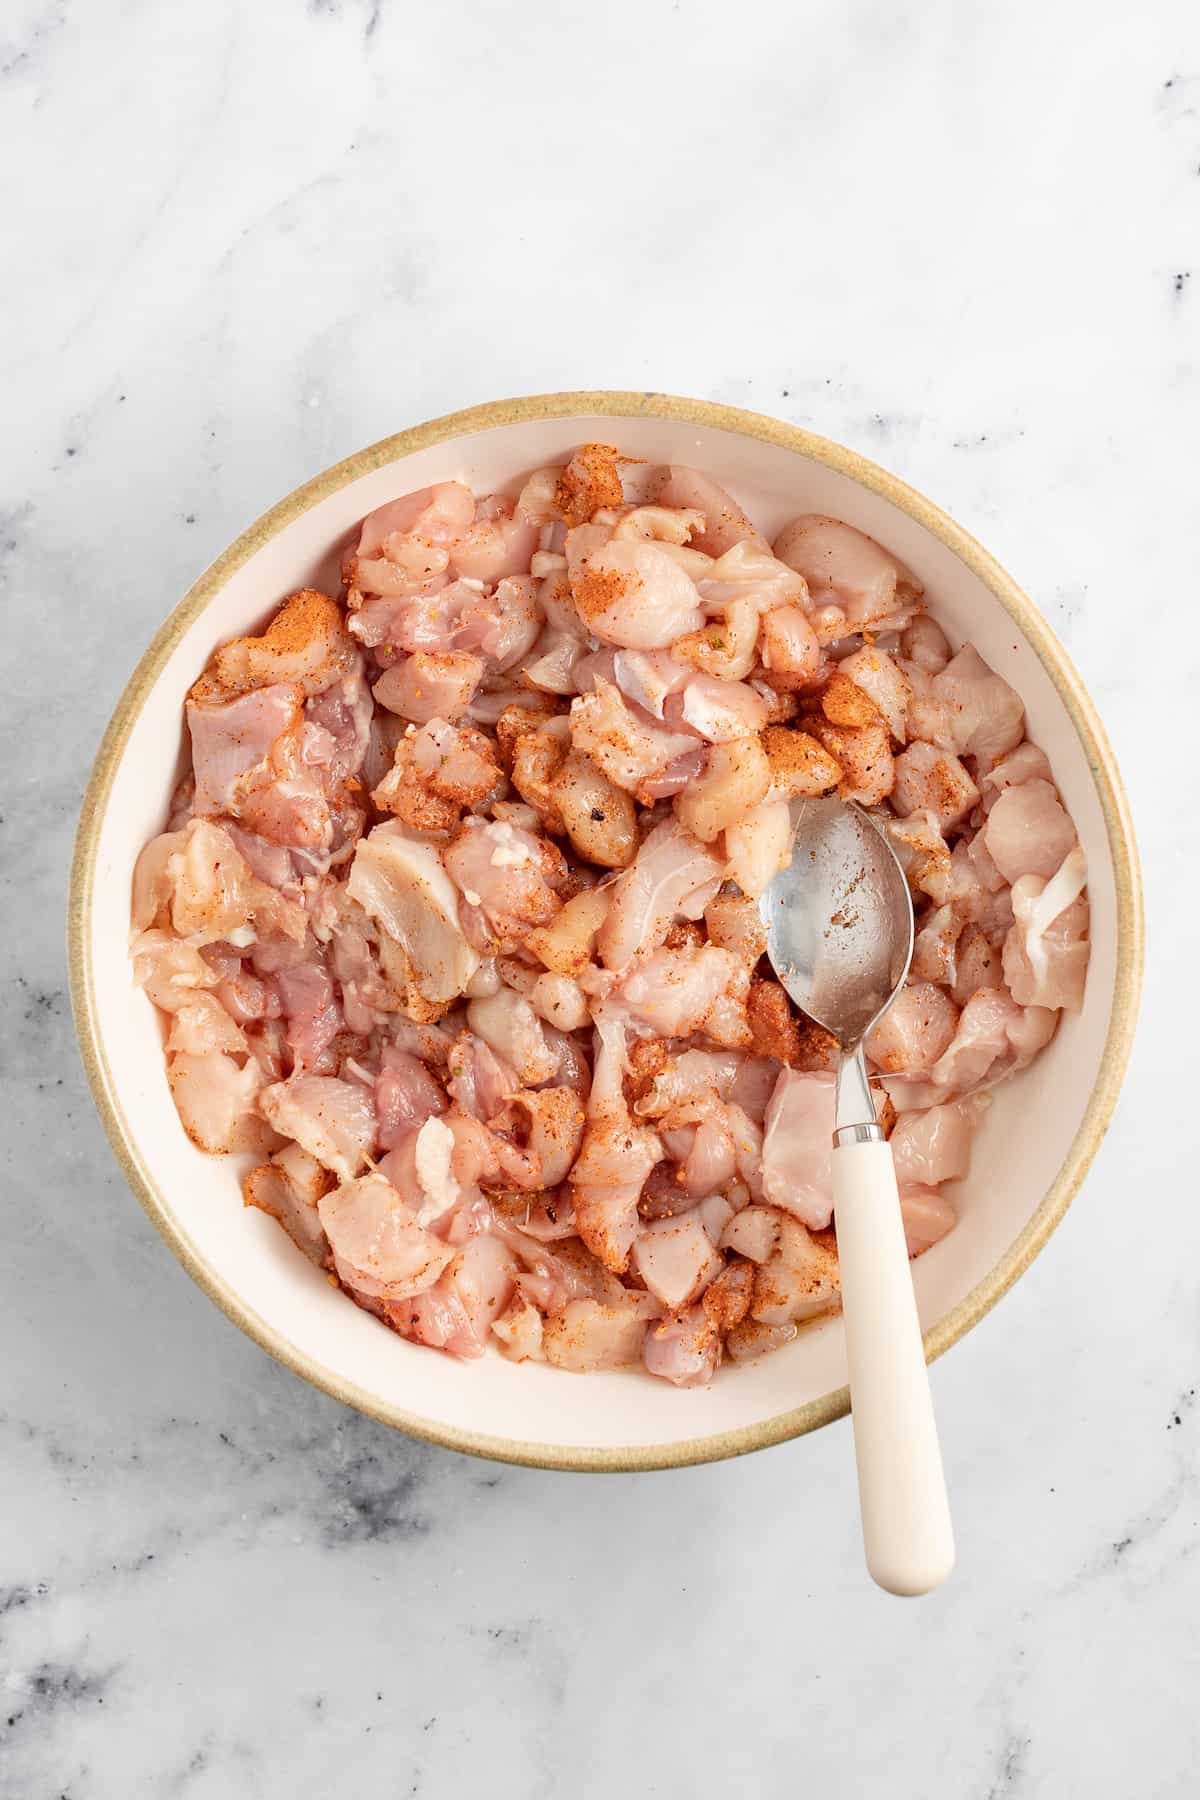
{"x":1055,"y":1114}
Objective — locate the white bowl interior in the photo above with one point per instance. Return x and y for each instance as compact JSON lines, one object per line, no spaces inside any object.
{"x":1040,"y":1111}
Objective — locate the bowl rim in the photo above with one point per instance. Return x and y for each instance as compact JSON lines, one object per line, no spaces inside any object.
{"x":616,"y":405}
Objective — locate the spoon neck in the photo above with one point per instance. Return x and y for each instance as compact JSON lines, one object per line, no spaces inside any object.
{"x":855,"y":1104}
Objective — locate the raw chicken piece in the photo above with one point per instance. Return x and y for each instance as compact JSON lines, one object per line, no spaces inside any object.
{"x":933,"y":782}
{"x":405,"y":1095}
{"x":333,"y":1120}
{"x":800,"y":1280}
{"x":864,"y":755}
{"x":203,"y":1025}
{"x":630,"y":747}
{"x":401,"y":884}
{"x":846,"y":567}
{"x":735,"y":782}
{"x":677,"y":992}
{"x":672,"y":876}
{"x":914,"y":1031}
{"x":587,"y":1334}
{"x":507,"y":1022}
{"x":429,"y":685}
{"x":718,"y":710}
{"x":509,"y":879}
{"x":986,"y":718}
{"x":797,"y":1173}
{"x":498,"y":543}
{"x":799,"y":764}
{"x":791,"y":654}
{"x":924,"y":854}
{"x":306,"y":643}
{"x":924,"y":643}
{"x":232,"y":742}
{"x":568,"y":943}
{"x":310,"y":1006}
{"x":633,"y":594}
{"x":725,"y":524}
{"x":751,"y":1339}
{"x":616,"y":1156}
{"x":927,"y":1217}
{"x":378,"y":1247}
{"x":883,"y":682}
{"x":1025,"y":763}
{"x":1046,"y":951}
{"x":268,"y":1188}
{"x":935,"y":1145}
{"x":1028,"y":832}
{"x":935,"y":947}
{"x":591,"y":480}
{"x":212,"y":1096}
{"x":976,"y":964}
{"x":676,"y":1260}
{"x":683,"y":1351}
{"x":649,"y":677}
{"x":519,"y":1329}
{"x":753,"y":1232}
{"x":982,"y":1045}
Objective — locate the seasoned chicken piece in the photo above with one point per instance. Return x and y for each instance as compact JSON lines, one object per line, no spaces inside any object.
{"x":848,"y":568}
{"x":306,"y":643}
{"x":914,"y":1031}
{"x":725,"y":524}
{"x":401,"y":884}
{"x":509,"y":879}
{"x":935,"y":783}
{"x":430,"y":685}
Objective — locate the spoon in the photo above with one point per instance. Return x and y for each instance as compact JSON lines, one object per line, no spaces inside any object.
{"x":839,"y":922}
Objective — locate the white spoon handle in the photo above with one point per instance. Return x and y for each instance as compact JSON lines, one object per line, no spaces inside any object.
{"x":907,"y":1535}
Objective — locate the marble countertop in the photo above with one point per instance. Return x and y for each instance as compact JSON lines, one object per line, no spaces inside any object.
{"x":241,"y":242}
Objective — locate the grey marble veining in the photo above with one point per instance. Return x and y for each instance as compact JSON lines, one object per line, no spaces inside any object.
{"x":240,"y":242}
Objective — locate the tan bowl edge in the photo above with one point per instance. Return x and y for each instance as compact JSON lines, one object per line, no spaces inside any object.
{"x":1127,"y":879}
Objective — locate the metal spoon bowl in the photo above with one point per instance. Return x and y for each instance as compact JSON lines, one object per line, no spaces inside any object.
{"x":839,"y":925}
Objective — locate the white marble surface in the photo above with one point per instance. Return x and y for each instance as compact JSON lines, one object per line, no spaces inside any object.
{"x":240,"y":241}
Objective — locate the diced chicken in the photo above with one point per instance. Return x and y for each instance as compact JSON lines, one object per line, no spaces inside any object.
{"x":791,"y":654}
{"x":212,"y":1095}
{"x":925,"y":644}
{"x":719,"y":710}
{"x":430,"y":685}
{"x":519,"y":1329}
{"x":630,"y":748}
{"x":509,"y":879}
{"x":734,"y":922}
{"x":987,"y":718}
{"x":587,"y":1334}
{"x":935,"y":1145}
{"x":507,"y":1022}
{"x":933,"y":782}
{"x":1028,"y":831}
{"x":751,"y":1339}
{"x":753,"y":1232}
{"x":935,"y":947}
{"x":800,"y":1280}
{"x":405,"y":1095}
{"x":734,"y":782}
{"x":976,"y":964}
{"x":633,"y":594}
{"x":616,"y":1156}
{"x":883,"y":682}
{"x":677,"y":992}
{"x":914,"y":1031}
{"x":1046,"y":952}
{"x":799,"y":764}
{"x":568,"y":943}
{"x":498,"y":543}
{"x":725,"y":524}
{"x":232,"y":742}
{"x":649,"y":677}
{"x":848,"y":568}
{"x":797,"y":1171}
{"x":378,"y":1247}
{"x":676,"y":1260}
{"x":673,"y":876}
{"x":401,"y":884}
{"x":268,"y":1188}
{"x":590,"y":481}
{"x":863,"y":753}
{"x":332,"y":1119}
{"x":684,"y":1351}
{"x":924,"y":854}
{"x":759,"y":846}
{"x":1025,"y":763}
{"x":927,"y":1217}
{"x":306,"y":643}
